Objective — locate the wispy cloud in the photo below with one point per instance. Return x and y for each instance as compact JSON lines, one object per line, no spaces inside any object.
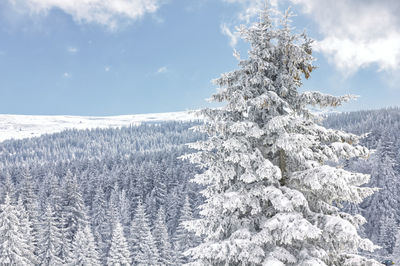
{"x":107,"y":68}
{"x":72,"y":50}
{"x":357,"y":33}
{"x":66,"y":75}
{"x":108,"y":13}
{"x":161,"y":70}
{"x":233,"y":36}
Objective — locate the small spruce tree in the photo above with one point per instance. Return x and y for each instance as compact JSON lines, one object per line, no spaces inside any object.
{"x":65,"y":250}
{"x":144,"y":250}
{"x":49,"y":239}
{"x":73,"y":207}
{"x":84,"y":248}
{"x":162,"y":240}
{"x":14,"y":245}
{"x":29,"y":233}
{"x":119,"y":252}
{"x":184,"y":239}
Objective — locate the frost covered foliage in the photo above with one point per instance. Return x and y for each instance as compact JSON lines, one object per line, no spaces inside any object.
{"x":14,"y":246}
{"x":273,"y":178}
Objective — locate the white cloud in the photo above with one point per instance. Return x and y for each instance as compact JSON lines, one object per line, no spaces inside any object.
{"x":163,"y":69}
{"x":72,"y":50}
{"x":357,"y":33}
{"x":354,"y":33}
{"x":105,"y":12}
{"x":66,"y":75}
{"x":234,"y":36}
{"x":107,"y":68}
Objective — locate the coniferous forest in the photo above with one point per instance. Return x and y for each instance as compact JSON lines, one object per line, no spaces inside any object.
{"x":98,"y":197}
{"x":109,"y":196}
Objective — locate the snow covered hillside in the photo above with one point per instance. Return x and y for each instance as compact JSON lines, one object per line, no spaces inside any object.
{"x":26,"y":126}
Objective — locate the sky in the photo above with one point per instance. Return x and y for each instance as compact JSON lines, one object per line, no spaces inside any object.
{"x":115,"y":57}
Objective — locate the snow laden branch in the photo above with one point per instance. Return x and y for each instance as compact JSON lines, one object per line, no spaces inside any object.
{"x":316,"y":98}
{"x":273,"y":177}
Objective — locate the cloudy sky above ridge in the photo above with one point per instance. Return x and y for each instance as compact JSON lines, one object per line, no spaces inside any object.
{"x":108,"y":57}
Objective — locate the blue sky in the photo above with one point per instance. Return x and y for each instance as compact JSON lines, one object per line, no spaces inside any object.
{"x":145,"y":56}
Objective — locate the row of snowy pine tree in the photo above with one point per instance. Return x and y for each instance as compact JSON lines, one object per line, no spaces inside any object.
{"x":63,"y":205}
{"x":63,"y":236}
{"x":382,"y":210}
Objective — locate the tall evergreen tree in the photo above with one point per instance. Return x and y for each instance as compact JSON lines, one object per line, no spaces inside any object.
{"x":101,"y":222}
{"x":14,"y":246}
{"x":184,"y":239}
{"x":160,"y":188}
{"x":49,"y":241}
{"x":271,"y":197}
{"x":162,"y":240}
{"x":73,"y":207}
{"x":114,"y":203}
{"x":124,"y":208}
{"x":144,"y":250}
{"x":387,"y":235}
{"x":8,"y":188}
{"x":29,"y":233}
{"x":57,"y":201}
{"x":119,"y":252}
{"x":65,"y":250}
{"x":174,"y":203}
{"x":29,"y":201}
{"x":54,"y":193}
{"x":84,"y":248}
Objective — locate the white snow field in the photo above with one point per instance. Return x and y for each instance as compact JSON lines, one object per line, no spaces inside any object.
{"x":27,"y":126}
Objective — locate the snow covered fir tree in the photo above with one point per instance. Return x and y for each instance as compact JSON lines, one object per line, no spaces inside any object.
{"x":274,"y":178}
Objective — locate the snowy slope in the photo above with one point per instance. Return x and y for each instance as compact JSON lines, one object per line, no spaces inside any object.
{"x":26,"y":126}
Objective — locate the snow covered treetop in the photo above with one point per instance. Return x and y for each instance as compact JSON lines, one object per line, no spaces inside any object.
{"x":268,"y":80}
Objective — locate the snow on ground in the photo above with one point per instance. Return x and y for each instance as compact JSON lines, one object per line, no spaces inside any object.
{"x":27,"y":126}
